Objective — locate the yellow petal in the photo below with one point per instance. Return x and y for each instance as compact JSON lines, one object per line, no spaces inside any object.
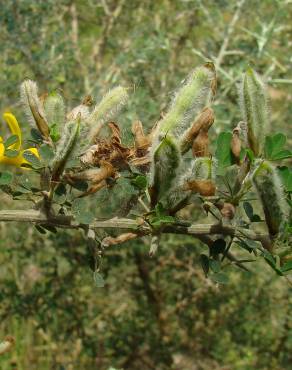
{"x":2,"y":148}
{"x":14,"y":128}
{"x":33,"y":151}
{"x":19,"y":160}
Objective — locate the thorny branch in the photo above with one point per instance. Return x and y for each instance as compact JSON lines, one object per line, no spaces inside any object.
{"x":139,"y":226}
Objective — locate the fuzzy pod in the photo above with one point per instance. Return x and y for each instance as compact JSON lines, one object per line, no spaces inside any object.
{"x":64,"y":148}
{"x":192,"y":97}
{"x":54,"y":107}
{"x":164,"y":167}
{"x":107,"y":109}
{"x":254,"y":106}
{"x":81,"y":110}
{"x":270,"y":191}
{"x":33,"y":107}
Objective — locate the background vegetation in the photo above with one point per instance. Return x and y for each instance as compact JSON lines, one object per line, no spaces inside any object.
{"x":159,"y":313}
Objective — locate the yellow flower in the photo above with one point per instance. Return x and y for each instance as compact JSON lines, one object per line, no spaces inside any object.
{"x":15,"y":130}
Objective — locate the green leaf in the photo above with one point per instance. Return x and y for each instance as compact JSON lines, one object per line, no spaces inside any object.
{"x":248,"y":209}
{"x":215,"y":266}
{"x":250,"y":155}
{"x":204,"y":263}
{"x":21,"y":190}
{"x":256,"y":218}
{"x":283,"y":154}
{"x":271,"y":260}
{"x":159,"y":209}
{"x":46,"y":153}
{"x":160,"y":220}
{"x":80,"y":185}
{"x":223,"y":150}
{"x":32,"y":159}
{"x":274,"y":147}
{"x":81,"y":212}
{"x":6,"y":178}
{"x":140,"y":182}
{"x":287,"y":266}
{"x":11,"y":140}
{"x":40,"y":229}
{"x":54,"y":132}
{"x":217,"y":247}
{"x":11,"y":153}
{"x":286,"y":176}
{"x":36,"y":135}
{"x":50,"y":228}
{"x":249,"y":245}
{"x":220,"y":278}
{"x":98,"y":279}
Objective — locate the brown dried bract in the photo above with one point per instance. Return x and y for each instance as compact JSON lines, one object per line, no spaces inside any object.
{"x":88,"y":101}
{"x":236,"y":144}
{"x":200,"y":146}
{"x":109,"y":241}
{"x":111,"y":151}
{"x":141,"y":140}
{"x":6,"y":344}
{"x":202,"y":122}
{"x":228,"y":211}
{"x":96,"y":176}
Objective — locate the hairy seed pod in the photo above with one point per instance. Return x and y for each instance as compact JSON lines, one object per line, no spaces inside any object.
{"x":33,"y":107}
{"x":254,"y":107}
{"x":81,"y":110}
{"x":55,"y":109}
{"x":164,"y":167}
{"x":64,"y":148}
{"x":270,"y":191}
{"x":107,"y":109}
{"x":189,"y":100}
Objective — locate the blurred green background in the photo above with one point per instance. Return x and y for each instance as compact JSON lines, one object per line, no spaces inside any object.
{"x":159,"y":313}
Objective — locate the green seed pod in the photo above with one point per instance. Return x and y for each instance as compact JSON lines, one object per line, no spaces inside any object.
{"x":270,"y":191}
{"x":164,"y":167}
{"x":189,"y":101}
{"x":64,"y":148}
{"x":107,"y":109}
{"x":55,"y":109}
{"x":33,"y":107}
{"x":255,"y":111}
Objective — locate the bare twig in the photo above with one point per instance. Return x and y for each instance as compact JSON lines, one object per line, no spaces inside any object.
{"x":230,"y":29}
